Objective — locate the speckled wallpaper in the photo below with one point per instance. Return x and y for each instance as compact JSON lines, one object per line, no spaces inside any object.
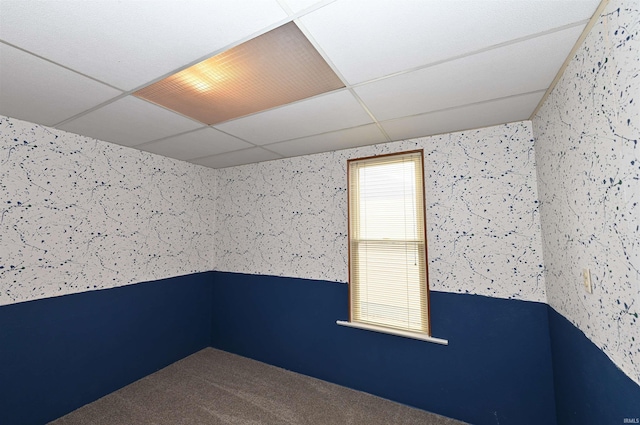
{"x":588,"y":166}
{"x":78,"y":214}
{"x":289,"y":217}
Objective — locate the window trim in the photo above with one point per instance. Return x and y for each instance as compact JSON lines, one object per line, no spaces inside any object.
{"x":426,"y":336}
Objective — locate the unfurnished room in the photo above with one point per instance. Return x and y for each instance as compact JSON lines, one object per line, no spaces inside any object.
{"x":320,"y":212}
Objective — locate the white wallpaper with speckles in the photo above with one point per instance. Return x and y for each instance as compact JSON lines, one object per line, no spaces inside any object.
{"x":588,"y":166}
{"x":289,"y":217}
{"x":78,"y":214}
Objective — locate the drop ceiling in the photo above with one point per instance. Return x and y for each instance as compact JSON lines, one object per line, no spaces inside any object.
{"x":409,"y":68}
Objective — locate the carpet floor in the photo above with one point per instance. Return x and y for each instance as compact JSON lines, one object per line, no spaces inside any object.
{"x":216,"y":387}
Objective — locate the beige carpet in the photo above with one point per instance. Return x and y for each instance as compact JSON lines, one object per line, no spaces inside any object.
{"x":215,"y":387}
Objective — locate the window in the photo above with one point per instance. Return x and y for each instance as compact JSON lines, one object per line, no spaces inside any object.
{"x":388,"y":283}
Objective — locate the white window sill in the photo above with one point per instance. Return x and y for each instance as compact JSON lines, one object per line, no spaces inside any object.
{"x":398,"y":332}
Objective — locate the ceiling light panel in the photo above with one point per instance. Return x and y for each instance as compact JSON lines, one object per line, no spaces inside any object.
{"x":276,"y":68}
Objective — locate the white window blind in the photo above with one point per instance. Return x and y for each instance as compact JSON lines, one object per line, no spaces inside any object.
{"x":387,"y":249}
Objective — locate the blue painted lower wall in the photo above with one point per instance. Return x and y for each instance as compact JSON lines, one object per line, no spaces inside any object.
{"x":57,"y":354}
{"x":589,"y":388}
{"x":495,"y":370}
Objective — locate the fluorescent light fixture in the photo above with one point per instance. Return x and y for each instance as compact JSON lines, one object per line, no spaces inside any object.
{"x":276,"y":68}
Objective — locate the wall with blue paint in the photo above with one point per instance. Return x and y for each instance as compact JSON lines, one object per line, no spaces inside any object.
{"x":82,"y":223}
{"x":59,"y":353}
{"x":588,"y":164}
{"x":86,"y":215}
{"x":286,"y":217}
{"x":496,"y":368}
{"x":115,"y":216}
{"x":289,"y":218}
{"x":589,"y":388}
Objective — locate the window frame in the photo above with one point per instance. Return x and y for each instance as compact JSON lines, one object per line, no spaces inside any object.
{"x":424,"y":288}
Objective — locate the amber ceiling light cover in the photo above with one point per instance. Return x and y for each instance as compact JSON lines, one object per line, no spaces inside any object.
{"x":276,"y":68}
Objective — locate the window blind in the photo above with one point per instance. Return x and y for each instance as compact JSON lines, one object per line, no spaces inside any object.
{"x":387,"y":249}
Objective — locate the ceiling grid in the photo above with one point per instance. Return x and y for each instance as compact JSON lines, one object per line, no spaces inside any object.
{"x":407,"y":69}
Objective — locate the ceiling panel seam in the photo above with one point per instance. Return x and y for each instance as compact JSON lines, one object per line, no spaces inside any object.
{"x":232,"y":45}
{"x":115,"y":99}
{"x":335,"y":69}
{"x":475,"y":52}
{"x":278,"y":107}
{"x":273,"y":152}
{"x":235,"y":151}
{"x":590,"y":23}
{"x":368,"y":111}
{"x":316,"y":134}
{"x":465,"y":105}
{"x":62,"y":66}
{"x":318,"y":48}
{"x":168,"y":74}
{"x":169,"y":137}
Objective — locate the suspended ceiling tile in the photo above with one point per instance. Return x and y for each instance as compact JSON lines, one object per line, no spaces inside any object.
{"x":35,"y":90}
{"x":129,"y":122}
{"x":518,"y":68}
{"x":299,"y":5}
{"x":336,"y":140}
{"x":333,"y":111}
{"x":279,"y":67}
{"x":196,"y":144}
{"x":242,"y":157}
{"x":128,"y":43}
{"x":367,"y":40}
{"x":516,"y":108}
